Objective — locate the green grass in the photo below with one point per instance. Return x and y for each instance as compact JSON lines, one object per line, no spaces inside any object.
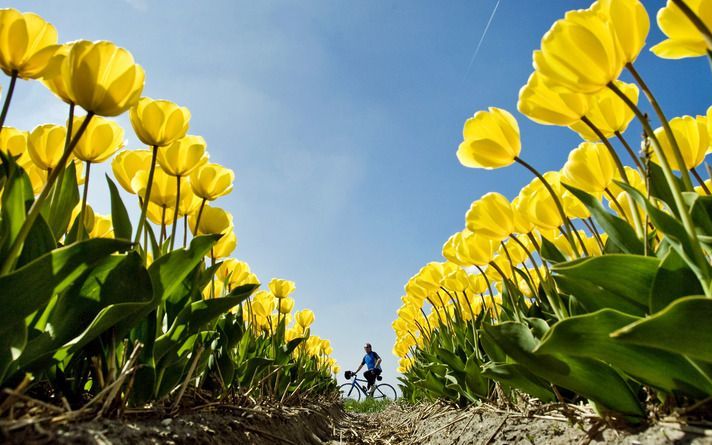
{"x":368,"y":405}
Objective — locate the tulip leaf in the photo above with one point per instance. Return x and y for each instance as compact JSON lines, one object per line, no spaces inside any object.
{"x":682,"y":327}
{"x":620,"y":233}
{"x":589,"y":336}
{"x":550,"y":252}
{"x":583,"y":375}
{"x":39,"y":241}
{"x":30,"y":287}
{"x":660,"y":188}
{"x":674,"y":279}
{"x":12,"y":343}
{"x":63,"y":199}
{"x":119,"y":216}
{"x":616,"y":281}
{"x":519,"y":377}
{"x":17,"y":196}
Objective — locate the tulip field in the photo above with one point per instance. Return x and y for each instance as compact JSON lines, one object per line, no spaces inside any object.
{"x":593,"y":286}
{"x":590,"y":291}
{"x":104,"y":313}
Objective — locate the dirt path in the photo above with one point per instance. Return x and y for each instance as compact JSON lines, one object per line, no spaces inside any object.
{"x":325,"y":423}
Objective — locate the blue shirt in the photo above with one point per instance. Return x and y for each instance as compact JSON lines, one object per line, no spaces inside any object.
{"x":370,"y":360}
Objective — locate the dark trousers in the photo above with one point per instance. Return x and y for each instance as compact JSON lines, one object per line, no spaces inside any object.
{"x":371,"y":375}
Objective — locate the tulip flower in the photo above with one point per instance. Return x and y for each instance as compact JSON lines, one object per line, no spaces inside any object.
{"x":159,"y":122}
{"x":45,"y":145}
{"x":589,"y":168}
{"x":475,"y":249}
{"x":521,"y":223}
{"x":102,"y":227}
{"x":225,"y":246}
{"x":215,"y":221}
{"x":13,"y":142}
{"x":100,"y":140}
{"x":607,"y":113}
{"x":127,"y":164}
{"x":491,"y":140}
{"x":542,"y":104}
{"x":491,"y":216}
{"x":214,"y":289}
{"x":537,"y":204}
{"x":52,"y":76}
{"x":281,"y":288}
{"x":36,"y":174}
{"x":179,"y":159}
{"x":580,"y":53}
{"x":692,"y":138}
{"x":630,"y":21}
{"x":684,"y":39}
{"x":27,"y":43}
{"x":159,"y":215}
{"x":163,"y":188}
{"x":211,"y":181}
{"x":304,"y":318}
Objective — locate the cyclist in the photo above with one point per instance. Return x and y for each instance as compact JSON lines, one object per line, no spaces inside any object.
{"x":373,"y":362}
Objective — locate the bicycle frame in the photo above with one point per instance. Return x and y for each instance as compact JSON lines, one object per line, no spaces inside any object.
{"x":354,"y":383}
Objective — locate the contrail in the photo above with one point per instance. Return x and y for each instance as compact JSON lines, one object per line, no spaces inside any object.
{"x":479,"y":44}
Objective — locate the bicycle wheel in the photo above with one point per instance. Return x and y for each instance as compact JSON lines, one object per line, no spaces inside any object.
{"x":350,"y":391}
{"x":384,"y":391}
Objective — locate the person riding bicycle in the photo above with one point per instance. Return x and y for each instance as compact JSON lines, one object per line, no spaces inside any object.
{"x":373,"y":363}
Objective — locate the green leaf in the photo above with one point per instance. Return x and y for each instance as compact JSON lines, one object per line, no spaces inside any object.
{"x":682,"y":327}
{"x":39,"y":241}
{"x":617,"y":281}
{"x":31,"y":286}
{"x":582,"y":375}
{"x":674,"y":279}
{"x":17,"y":196}
{"x":550,"y":252}
{"x":119,"y":216}
{"x":619,"y":231}
{"x":64,"y":198}
{"x":589,"y":336}
{"x":12,"y":343}
{"x":519,"y":377}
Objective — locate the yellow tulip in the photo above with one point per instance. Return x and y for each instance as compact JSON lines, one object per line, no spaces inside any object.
{"x":491,"y":140}
{"x":163,"y":190}
{"x":101,"y":77}
{"x":183,"y":156}
{"x":542,"y":104}
{"x":304,"y":318}
{"x":456,"y":281}
{"x":692,"y":138}
{"x":102,"y":227}
{"x":46,"y":145}
{"x":211,"y":181}
{"x":52,"y":77}
{"x":580,"y":53}
{"x":38,"y":177}
{"x":159,"y":122}
{"x":159,"y":215}
{"x":13,"y":142}
{"x":214,"y":289}
{"x":214,"y":220}
{"x":491,"y":216}
{"x":127,"y":164}
{"x":537,"y":204}
{"x":630,"y":21}
{"x":189,"y":203}
{"x":608,"y":112}
{"x":230,"y":267}
{"x":281,"y":288}
{"x":514,"y":252}
{"x":474,"y":249}
{"x":590,"y":168}
{"x":225,"y":246}
{"x":573,"y":207}
{"x":101,"y":139}
{"x":521,"y":223}
{"x":478,"y":285}
{"x":88,"y":216}
{"x":27,"y":43}
{"x":683,"y":38}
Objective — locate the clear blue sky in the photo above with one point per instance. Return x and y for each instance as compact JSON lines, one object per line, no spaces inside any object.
{"x":341,"y":121}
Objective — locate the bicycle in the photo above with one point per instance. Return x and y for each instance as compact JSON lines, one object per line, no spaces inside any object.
{"x":353,"y":390}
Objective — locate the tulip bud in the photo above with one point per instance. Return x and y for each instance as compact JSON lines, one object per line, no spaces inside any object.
{"x":159,"y":122}
{"x":491,"y":216}
{"x":491,"y":140}
{"x":211,"y":181}
{"x":183,"y":156}
{"x":13,"y":142}
{"x":304,"y":318}
{"x":102,"y":78}
{"x":46,"y":145}
{"x":281,"y":288}
{"x":101,"y":139}
{"x":27,"y":43}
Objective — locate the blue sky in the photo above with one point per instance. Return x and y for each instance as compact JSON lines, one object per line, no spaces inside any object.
{"x":341,"y":121}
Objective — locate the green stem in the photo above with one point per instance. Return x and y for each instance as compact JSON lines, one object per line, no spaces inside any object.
{"x":698,"y":254}
{"x":185,"y":231}
{"x":175,"y":213}
{"x":631,"y":152}
{"x":163,"y":225}
{"x":67,"y":140}
{"x":34,"y":212}
{"x":567,"y":223}
{"x":700,"y":180}
{"x":82,"y":222}
{"x":8,"y":98}
{"x":147,"y":197}
{"x":666,"y":126}
{"x":200,"y":214}
{"x":505,"y":283}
